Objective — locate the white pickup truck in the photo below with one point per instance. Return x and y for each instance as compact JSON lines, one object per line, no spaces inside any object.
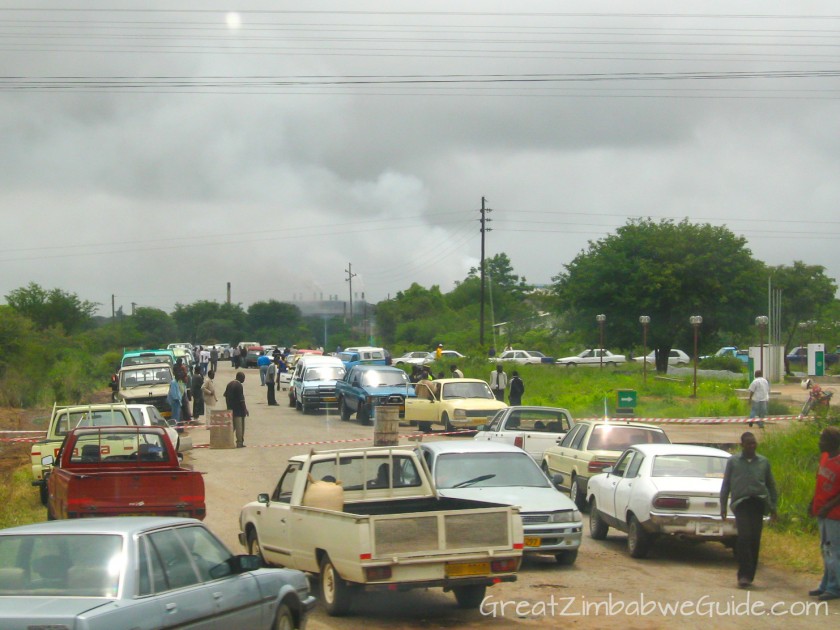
{"x":533,"y":429}
{"x":381,"y":527}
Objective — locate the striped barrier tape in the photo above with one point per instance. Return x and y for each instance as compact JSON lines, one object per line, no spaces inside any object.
{"x":20,"y":431}
{"x":320,"y":442}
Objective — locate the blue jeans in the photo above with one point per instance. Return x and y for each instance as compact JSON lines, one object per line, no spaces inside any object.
{"x":830,"y":547}
{"x":263,"y":372}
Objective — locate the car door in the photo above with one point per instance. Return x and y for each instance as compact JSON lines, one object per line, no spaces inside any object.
{"x":627,"y":487}
{"x":541,"y":434}
{"x":423,"y":407}
{"x":272,"y":520}
{"x":612,"y":483}
{"x":561,"y":458}
{"x":492,"y":432}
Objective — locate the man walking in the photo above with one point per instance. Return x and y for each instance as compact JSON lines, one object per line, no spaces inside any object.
{"x":517,"y":388}
{"x":749,"y":482}
{"x":270,"y":377}
{"x":826,"y":507}
{"x":759,"y":397}
{"x":498,"y":382}
{"x":235,"y":400}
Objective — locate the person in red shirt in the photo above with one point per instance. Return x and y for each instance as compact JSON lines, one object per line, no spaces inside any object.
{"x":826,"y":507}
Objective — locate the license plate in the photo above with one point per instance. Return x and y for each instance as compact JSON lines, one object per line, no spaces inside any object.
{"x":708,"y":529}
{"x":460,"y":569}
{"x":533,"y":541}
{"x":330,"y":399}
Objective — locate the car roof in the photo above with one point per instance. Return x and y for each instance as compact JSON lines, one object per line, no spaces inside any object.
{"x":679,"y":449}
{"x":534,"y":408}
{"x":105,"y":525}
{"x":620,"y":423}
{"x":379,"y":368}
{"x":471,"y":446}
{"x":145,"y":366}
{"x":444,"y":381}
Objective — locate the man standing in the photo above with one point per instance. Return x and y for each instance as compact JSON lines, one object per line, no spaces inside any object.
{"x":204,"y":360}
{"x":826,"y":507}
{"x":749,"y":482}
{"x":759,"y":397}
{"x":517,"y":388}
{"x":263,"y":361}
{"x":498,"y":382}
{"x":456,"y":373}
{"x":196,"y":384}
{"x":270,"y":377}
{"x":235,"y":399}
{"x":214,"y":359}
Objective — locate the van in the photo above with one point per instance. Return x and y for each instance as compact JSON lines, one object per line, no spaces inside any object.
{"x":148,"y":384}
{"x":313,"y":383}
{"x":137,"y":357}
{"x":369,"y":355}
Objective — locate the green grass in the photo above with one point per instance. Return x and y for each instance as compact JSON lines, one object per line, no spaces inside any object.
{"x":19,"y":501}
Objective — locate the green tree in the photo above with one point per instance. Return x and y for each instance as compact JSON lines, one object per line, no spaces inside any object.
{"x":413,"y":317}
{"x":668,"y":271}
{"x":52,"y":308}
{"x":155,"y":327}
{"x":807,"y":294}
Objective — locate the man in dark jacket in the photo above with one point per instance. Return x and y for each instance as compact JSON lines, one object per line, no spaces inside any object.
{"x":235,"y":399}
{"x":517,"y":388}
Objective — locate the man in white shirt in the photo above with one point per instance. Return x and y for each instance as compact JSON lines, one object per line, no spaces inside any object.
{"x":759,"y":397}
{"x":498,"y":382}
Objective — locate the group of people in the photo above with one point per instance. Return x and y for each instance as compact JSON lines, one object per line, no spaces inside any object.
{"x":499,"y":383}
{"x":191,"y":394}
{"x":206,"y":359}
{"x":749,"y":490}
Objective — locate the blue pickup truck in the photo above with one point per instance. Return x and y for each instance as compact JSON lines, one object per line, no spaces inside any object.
{"x":364,"y":387}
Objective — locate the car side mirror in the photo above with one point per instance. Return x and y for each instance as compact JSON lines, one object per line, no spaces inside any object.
{"x":47,"y":460}
{"x":236,"y":565}
{"x":481,"y":427}
{"x":263,"y":498}
{"x":608,"y":470}
{"x":557,"y":479}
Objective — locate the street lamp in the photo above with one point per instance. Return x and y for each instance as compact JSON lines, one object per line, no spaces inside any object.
{"x":695,"y":321}
{"x":644,"y":320}
{"x":761,"y":322}
{"x":601,"y":319}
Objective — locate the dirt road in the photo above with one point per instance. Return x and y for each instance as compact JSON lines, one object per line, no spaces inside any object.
{"x":604,"y":589}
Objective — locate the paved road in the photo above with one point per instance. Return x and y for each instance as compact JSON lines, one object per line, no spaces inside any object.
{"x":603,"y":573}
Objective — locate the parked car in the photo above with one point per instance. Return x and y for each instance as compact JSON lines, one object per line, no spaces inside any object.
{"x":137,"y":357}
{"x":142,"y":572}
{"x":675,"y":357}
{"x":452,"y":355}
{"x":730,"y":351}
{"x":362,"y":355}
{"x":146,"y":384}
{"x":451,"y":403}
{"x":800,"y":355}
{"x":313,"y":383}
{"x":661,"y":490}
{"x":593,"y":356}
{"x":149,"y":416}
{"x":415,"y":358}
{"x":501,"y":473}
{"x":365,"y":387}
{"x":590,"y":447}
{"x":533,"y":429}
{"x":522,"y":357}
{"x":253,"y":353}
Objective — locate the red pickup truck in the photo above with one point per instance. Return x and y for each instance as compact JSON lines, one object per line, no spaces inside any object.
{"x":122,"y":471}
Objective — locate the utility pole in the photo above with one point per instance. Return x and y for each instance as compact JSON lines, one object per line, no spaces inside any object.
{"x":350,"y":276}
{"x":133,"y":307}
{"x":228,"y":292}
{"x":113,"y":308}
{"x":484,"y":229}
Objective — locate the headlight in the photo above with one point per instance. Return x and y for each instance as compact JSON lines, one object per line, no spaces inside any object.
{"x":460,"y":414}
{"x":566,"y":516}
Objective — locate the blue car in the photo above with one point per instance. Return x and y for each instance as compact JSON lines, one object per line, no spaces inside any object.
{"x":140,"y":572}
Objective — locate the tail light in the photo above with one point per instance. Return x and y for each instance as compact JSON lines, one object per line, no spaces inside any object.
{"x":374,"y":574}
{"x":504,"y":566}
{"x":671,"y":503}
{"x":597,"y":465}
{"x":518,"y":441}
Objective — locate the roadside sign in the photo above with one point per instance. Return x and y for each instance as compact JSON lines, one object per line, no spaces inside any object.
{"x":626,"y":398}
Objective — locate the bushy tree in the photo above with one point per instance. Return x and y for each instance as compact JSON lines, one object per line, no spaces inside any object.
{"x":155,"y":327}
{"x":668,"y":271}
{"x":52,"y":308}
{"x":807,"y":294}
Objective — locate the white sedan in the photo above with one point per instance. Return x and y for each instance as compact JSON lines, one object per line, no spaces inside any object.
{"x":593,"y":356}
{"x":675,"y":357}
{"x":521,"y":357}
{"x":661,"y":490}
{"x":415,"y":358}
{"x":501,"y":473}
{"x":149,"y":416}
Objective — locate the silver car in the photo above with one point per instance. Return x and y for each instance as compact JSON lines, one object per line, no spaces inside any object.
{"x":139,"y":572}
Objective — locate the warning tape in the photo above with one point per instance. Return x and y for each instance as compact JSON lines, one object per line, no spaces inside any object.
{"x":13,"y":431}
{"x":365,"y":439}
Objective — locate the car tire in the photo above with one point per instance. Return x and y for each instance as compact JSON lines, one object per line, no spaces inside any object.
{"x":363,"y":414}
{"x":571,"y":364}
{"x":638,"y":540}
{"x":291,"y":400}
{"x":254,"y":547}
{"x":469,"y":596}
{"x":298,"y":405}
{"x":609,"y":364}
{"x":284,"y":619}
{"x":425,"y":427}
{"x":576,"y":494}
{"x":335,"y":592}
{"x":44,"y":494}
{"x":598,"y":527}
{"x":566,"y":557}
{"x":447,"y":425}
{"x":545,"y":469}
{"x":344,"y":410}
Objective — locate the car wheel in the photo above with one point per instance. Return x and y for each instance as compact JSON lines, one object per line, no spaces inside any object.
{"x":576,"y":494}
{"x":298,"y":405}
{"x":638,"y":540}
{"x":570,"y":364}
{"x":425,"y":427}
{"x":469,"y":596}
{"x":567,"y":557}
{"x":44,"y":494}
{"x":598,"y":528}
{"x":681,"y":364}
{"x":50,"y":514}
{"x":609,"y":364}
{"x":254,"y":547}
{"x":284,"y":619}
{"x":334,"y":590}
{"x":343,"y":410}
{"x":545,"y":469}
{"x":291,"y":400}
{"x":363,"y":414}
{"x":447,"y":425}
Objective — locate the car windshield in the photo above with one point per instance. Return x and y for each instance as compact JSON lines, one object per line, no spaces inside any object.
{"x":375,"y":378}
{"x":609,"y":437}
{"x":145,"y":377}
{"x":689,"y":466}
{"x":61,"y":565}
{"x":488,"y":470}
{"x":148,"y":358}
{"x":326,"y":373}
{"x":467,"y":390}
{"x":534,"y":353}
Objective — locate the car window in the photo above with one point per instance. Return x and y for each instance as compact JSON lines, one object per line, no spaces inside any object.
{"x":633,"y":470}
{"x":621,"y":465}
{"x":283,"y":491}
{"x":620,"y":437}
{"x":173,"y":556}
{"x":467,"y":389}
{"x":493,"y":425}
{"x":356,"y":473}
{"x":571,"y":435}
{"x":423,"y":391}
{"x":208,"y":555}
{"x":488,"y":470}
{"x":578,"y":441}
{"x":689,"y":466}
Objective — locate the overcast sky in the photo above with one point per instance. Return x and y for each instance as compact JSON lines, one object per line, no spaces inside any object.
{"x":157,"y":150}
